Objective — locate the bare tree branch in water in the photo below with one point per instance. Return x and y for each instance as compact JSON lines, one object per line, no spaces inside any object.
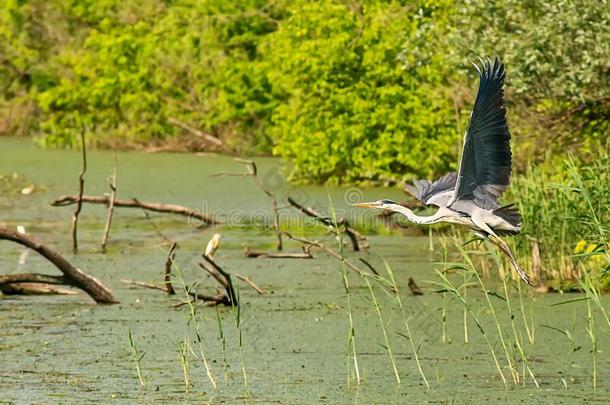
{"x":112,"y":185}
{"x":223,"y":278}
{"x":277,"y":255}
{"x":252,"y":171}
{"x":352,"y":234}
{"x":171,"y":255}
{"x":71,"y":275}
{"x":81,"y":190}
{"x":135,"y":203}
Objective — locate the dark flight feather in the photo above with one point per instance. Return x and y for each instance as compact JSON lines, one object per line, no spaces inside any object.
{"x":485,"y":165}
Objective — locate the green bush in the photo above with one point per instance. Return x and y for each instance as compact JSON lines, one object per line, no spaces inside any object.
{"x":351,"y":112}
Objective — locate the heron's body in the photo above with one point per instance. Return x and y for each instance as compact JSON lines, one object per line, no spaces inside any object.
{"x":470,"y":196}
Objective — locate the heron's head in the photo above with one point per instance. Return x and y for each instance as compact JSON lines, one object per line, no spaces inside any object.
{"x":381,"y":204}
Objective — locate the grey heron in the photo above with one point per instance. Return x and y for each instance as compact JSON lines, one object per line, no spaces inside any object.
{"x":470,"y":196}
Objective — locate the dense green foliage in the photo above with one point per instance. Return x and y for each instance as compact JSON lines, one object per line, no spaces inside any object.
{"x":376,"y":91}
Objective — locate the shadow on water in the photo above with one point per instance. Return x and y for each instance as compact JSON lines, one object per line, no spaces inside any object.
{"x":65,"y":349}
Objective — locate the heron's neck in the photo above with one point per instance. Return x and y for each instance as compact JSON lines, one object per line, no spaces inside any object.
{"x":416,"y":219}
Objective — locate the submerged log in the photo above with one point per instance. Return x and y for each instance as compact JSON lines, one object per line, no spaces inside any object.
{"x":135,"y":203}
{"x":71,"y":275}
{"x":34,"y":289}
{"x":277,"y":255}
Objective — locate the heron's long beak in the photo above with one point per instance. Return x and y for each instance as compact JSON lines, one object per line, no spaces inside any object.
{"x":365,"y":205}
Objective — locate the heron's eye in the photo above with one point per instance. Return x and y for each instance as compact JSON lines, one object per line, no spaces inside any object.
{"x":388,"y":202}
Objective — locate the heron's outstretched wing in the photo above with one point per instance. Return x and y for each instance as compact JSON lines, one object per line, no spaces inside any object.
{"x":486,"y":158}
{"x":438,"y":193}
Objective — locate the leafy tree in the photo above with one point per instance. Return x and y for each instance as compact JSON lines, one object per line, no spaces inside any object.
{"x":351,"y":111}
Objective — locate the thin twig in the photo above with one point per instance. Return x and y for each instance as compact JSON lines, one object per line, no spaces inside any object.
{"x":353,"y":235}
{"x":252,"y":171}
{"x":110,"y":205}
{"x":81,"y":191}
{"x":249,"y":281}
{"x":326,"y":249}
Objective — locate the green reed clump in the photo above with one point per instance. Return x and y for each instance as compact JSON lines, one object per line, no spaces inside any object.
{"x":566,"y":208}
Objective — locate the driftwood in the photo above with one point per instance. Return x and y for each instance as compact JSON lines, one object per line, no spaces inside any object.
{"x":81,"y":190}
{"x":71,"y":275}
{"x":306,"y":254}
{"x":353,"y":235}
{"x":135,"y":203}
{"x":112,"y":185}
{"x":252,"y":171}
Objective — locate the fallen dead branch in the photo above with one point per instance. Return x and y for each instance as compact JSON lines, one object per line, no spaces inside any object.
{"x":195,"y":131}
{"x":352,"y":234}
{"x":277,"y":255}
{"x":71,"y":275}
{"x":81,"y":190}
{"x":112,"y":184}
{"x":252,"y":171}
{"x":135,"y":203}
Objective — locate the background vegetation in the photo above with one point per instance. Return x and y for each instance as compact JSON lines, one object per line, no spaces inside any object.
{"x":375,"y":91}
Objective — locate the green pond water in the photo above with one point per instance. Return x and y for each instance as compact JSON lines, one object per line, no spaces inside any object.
{"x":66,"y":349}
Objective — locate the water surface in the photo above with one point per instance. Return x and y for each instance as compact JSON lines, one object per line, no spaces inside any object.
{"x":67,"y":349}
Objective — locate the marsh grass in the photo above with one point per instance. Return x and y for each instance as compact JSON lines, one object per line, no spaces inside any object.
{"x":193,"y":324}
{"x":236,"y":309}
{"x":386,"y":346}
{"x":223,"y":345}
{"x":136,"y":355}
{"x":566,"y":208}
{"x":351,"y":336}
{"x":409,"y":335}
{"x":452,"y":288}
{"x":183,"y":350}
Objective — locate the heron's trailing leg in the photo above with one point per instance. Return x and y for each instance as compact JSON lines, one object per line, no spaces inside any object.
{"x":504,"y":248}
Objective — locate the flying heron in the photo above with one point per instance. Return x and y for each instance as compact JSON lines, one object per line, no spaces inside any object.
{"x":470,"y":196}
